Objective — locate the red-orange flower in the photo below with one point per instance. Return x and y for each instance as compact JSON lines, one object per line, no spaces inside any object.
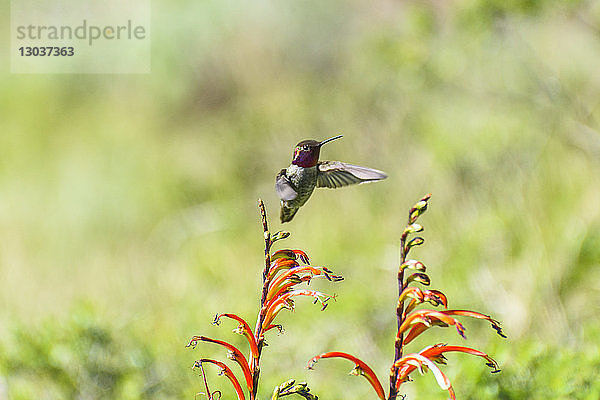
{"x":285,"y":302}
{"x":243,"y":329}
{"x":225,"y":370}
{"x":435,"y":353}
{"x":410,"y":362}
{"x":234,"y":354}
{"x":360,"y":368}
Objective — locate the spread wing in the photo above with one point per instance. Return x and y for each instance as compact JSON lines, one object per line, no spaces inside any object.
{"x":284,"y":188}
{"x":335,"y":174}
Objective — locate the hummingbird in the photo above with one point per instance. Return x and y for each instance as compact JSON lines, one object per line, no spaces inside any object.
{"x":295,"y":184}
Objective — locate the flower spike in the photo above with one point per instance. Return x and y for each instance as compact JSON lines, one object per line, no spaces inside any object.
{"x":411,"y":322}
{"x":283,"y":270}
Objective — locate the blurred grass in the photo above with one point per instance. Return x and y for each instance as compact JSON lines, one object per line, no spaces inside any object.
{"x":128,"y":202}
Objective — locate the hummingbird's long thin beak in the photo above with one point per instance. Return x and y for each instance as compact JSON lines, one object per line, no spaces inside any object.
{"x":330,"y":139}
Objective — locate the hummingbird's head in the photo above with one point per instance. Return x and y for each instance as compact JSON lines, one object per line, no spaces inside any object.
{"x":306,"y":153}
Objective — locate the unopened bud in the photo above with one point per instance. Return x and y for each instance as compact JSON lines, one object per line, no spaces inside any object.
{"x":419,"y":277}
{"x":301,"y":386}
{"x":280,"y":235}
{"x":414,"y":265}
{"x":418,"y":209}
{"x":413,"y":228}
{"x":288,"y":384}
{"x":414,"y":242}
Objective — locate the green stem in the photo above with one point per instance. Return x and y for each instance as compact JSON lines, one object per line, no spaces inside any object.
{"x":258,"y":331}
{"x":399,"y":318}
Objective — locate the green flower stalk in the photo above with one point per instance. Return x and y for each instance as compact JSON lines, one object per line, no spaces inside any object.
{"x":283,"y":274}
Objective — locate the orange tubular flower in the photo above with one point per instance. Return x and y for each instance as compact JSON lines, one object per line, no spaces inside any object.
{"x":474,"y":314}
{"x":290,"y":255}
{"x":285,"y":301}
{"x":225,"y":370}
{"x":434,"y":297}
{"x":415,"y":331}
{"x":243,"y":329}
{"x":281,"y":264}
{"x":361,"y":368}
{"x":235,"y":355}
{"x":285,"y":288}
{"x":420,"y":327}
{"x":410,"y":362}
{"x":276,"y":284}
{"x":432,"y":352}
{"x":418,"y":296}
{"x":275,"y":326}
{"x":302,"y":256}
{"x":435,"y":354}
{"x":286,"y":254}
{"x":428,"y":318}
{"x":413,"y":293}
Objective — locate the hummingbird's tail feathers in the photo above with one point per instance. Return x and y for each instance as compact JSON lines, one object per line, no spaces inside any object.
{"x":336,"y":174}
{"x":287,"y":213}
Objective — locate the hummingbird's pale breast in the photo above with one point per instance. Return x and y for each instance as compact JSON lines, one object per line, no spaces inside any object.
{"x":304,"y":180}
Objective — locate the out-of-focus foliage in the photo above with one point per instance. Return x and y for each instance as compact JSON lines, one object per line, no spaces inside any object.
{"x":137,"y":193}
{"x":83,"y":358}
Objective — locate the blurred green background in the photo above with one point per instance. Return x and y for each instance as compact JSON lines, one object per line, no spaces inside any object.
{"x":128,"y":210}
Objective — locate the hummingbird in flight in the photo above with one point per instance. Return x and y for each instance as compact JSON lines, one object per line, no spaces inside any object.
{"x":295,"y":184}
